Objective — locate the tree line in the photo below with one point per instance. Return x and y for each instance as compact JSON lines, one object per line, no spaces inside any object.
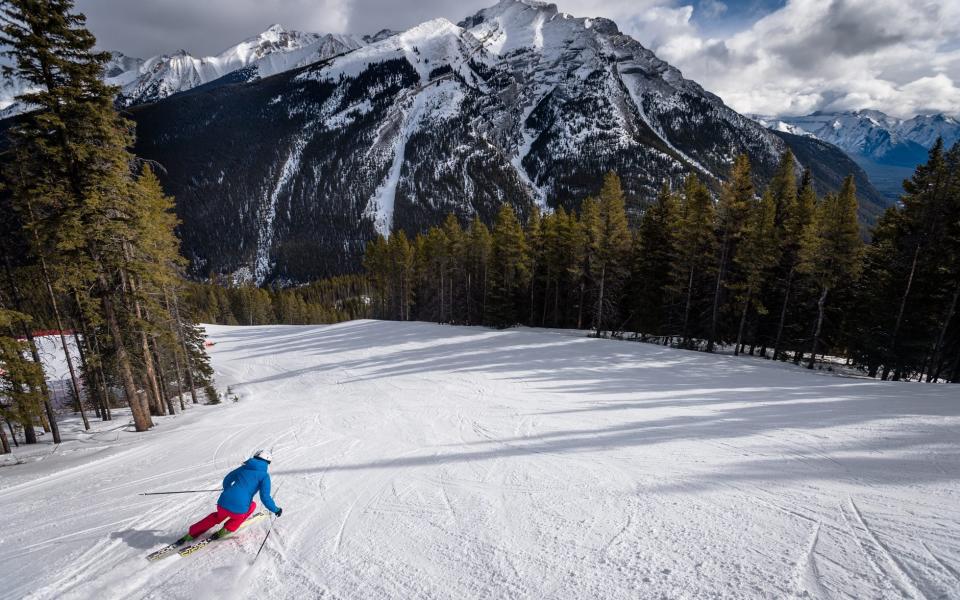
{"x":331,"y":300}
{"x":778,"y":272}
{"x":88,"y":241}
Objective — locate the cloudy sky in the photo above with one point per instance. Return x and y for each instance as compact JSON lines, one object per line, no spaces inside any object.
{"x":760,"y":56}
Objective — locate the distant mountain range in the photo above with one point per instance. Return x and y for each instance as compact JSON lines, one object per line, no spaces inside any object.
{"x":289,"y":151}
{"x":146,"y":80}
{"x":886,"y":147}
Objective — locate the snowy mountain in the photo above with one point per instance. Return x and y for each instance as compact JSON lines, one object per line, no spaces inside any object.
{"x":271,"y":52}
{"x":518,"y":103}
{"x":888,"y":148}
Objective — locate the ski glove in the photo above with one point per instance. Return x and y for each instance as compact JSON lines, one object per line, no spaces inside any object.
{"x":279,"y":511}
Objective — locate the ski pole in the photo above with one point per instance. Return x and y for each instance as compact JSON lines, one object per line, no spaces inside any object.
{"x":269,"y":531}
{"x":179,"y":492}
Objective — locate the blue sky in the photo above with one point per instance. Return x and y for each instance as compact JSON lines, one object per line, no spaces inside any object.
{"x":722,"y":18}
{"x":761,"y":56}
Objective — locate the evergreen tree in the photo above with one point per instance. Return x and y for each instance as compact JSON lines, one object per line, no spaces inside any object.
{"x":756,"y":254}
{"x":653,"y":255}
{"x":605,"y":223}
{"x":69,"y":174}
{"x":695,"y":244}
{"x":509,"y":270}
{"x":732,"y":210}
{"x":920,"y":232}
{"x":830,"y":252}
{"x":478,"y":257}
{"x":795,"y":213}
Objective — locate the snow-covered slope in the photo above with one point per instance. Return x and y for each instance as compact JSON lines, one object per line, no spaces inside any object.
{"x":427,"y":461}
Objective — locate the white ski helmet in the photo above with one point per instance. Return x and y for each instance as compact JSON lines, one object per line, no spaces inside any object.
{"x":263,"y":454}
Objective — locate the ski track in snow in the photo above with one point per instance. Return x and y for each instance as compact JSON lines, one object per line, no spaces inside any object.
{"x":422,"y":461}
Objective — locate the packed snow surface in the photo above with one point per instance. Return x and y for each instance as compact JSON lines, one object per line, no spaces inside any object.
{"x":425,"y":461}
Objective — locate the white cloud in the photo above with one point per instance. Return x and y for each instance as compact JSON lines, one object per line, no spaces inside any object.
{"x":840,"y":54}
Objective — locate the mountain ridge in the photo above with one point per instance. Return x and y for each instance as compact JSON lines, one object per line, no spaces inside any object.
{"x":284,"y":178}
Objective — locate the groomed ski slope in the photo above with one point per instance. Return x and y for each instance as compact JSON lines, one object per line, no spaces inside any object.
{"x":422,"y":461}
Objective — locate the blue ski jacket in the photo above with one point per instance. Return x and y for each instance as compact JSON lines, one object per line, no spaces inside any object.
{"x":240,"y":485}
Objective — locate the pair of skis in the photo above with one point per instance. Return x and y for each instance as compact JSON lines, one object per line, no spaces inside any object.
{"x":169,"y":549}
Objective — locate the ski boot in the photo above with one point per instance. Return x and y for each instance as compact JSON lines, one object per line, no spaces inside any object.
{"x":221,"y":534}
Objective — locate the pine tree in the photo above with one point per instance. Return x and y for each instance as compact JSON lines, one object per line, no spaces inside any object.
{"x":69,"y":175}
{"x":795,"y":213}
{"x":653,"y":254}
{"x":609,"y":246}
{"x":509,"y":270}
{"x":757,"y":253}
{"x":695,"y":245}
{"x":455,"y":276}
{"x":920,"y":231}
{"x":732,"y":210}
{"x":830,"y":252}
{"x":478,"y":257}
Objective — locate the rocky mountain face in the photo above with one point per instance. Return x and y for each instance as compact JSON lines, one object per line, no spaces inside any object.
{"x":886,"y":147}
{"x":284,"y":178}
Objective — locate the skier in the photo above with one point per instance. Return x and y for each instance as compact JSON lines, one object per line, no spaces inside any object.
{"x":236,"y":503}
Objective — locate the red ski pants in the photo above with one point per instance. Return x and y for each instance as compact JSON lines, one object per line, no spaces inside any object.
{"x":233,"y":520}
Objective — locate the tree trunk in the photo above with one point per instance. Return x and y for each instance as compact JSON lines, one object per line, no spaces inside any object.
{"x":546,"y":300}
{"x":686,"y":311}
{"x":716,"y":294}
{"x":102,"y":380}
{"x":580,"y":307}
{"x":603,"y":277}
{"x":556,"y":303}
{"x":138,"y":408}
{"x":63,"y":342}
{"x":469,"y":299}
{"x":4,"y":443}
{"x":84,"y":368}
{"x":188,"y":364}
{"x":943,"y":334}
{"x":13,"y":434}
{"x":157,"y":404}
{"x":176,"y":366}
{"x":892,"y":359}
{"x":816,"y":332}
{"x":95,"y":380}
{"x":162,"y":380}
{"x":533,"y":287}
{"x":743,"y":323}
{"x":483,"y":306}
{"x":783,"y":315}
{"x":29,"y":433}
